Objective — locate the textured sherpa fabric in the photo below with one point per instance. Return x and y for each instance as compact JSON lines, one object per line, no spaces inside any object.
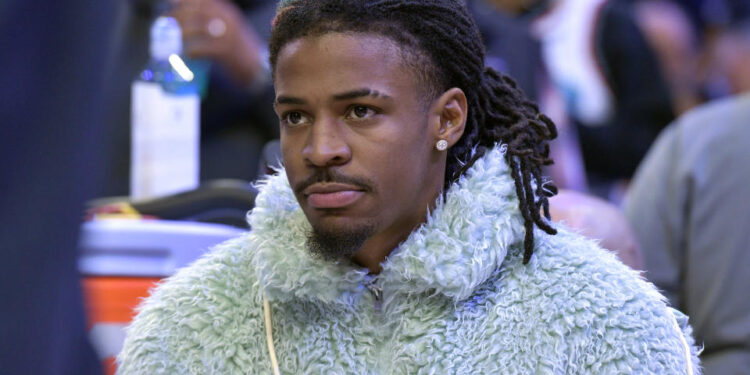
{"x":456,"y":299}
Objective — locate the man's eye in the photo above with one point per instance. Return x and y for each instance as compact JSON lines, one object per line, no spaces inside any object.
{"x":359,"y":112}
{"x":294,"y":118}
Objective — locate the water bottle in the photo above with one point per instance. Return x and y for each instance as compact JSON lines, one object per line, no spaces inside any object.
{"x":165,"y":119}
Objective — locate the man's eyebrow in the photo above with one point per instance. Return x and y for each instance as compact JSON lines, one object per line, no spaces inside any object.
{"x":283,"y":99}
{"x":353,"y":94}
{"x":358,"y":93}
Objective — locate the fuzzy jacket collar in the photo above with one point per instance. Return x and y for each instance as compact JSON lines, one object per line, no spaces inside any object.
{"x":464,"y":240}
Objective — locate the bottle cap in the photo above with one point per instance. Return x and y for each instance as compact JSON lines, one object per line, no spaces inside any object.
{"x":166,"y":38}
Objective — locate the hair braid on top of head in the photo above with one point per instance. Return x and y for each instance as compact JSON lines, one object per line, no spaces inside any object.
{"x":443,"y":45}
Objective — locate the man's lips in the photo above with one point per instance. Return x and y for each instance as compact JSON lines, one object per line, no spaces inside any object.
{"x":331,"y":195}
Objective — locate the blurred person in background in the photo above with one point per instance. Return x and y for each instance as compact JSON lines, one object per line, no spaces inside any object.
{"x":688,"y":209}
{"x":718,"y":22}
{"x":672,"y":35}
{"x":52,"y":71}
{"x":610,"y":79}
{"x":730,"y":61}
{"x":684,"y":205}
{"x":229,"y":37}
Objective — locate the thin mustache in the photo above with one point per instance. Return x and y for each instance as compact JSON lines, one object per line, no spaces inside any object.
{"x":331,"y":176}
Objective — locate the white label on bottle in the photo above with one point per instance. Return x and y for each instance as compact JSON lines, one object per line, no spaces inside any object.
{"x":165,"y":141}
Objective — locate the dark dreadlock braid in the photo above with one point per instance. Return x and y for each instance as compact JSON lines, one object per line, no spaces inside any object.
{"x":441,"y":41}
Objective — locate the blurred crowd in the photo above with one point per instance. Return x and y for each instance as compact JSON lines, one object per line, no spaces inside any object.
{"x":614,"y":73}
{"x":611,"y":73}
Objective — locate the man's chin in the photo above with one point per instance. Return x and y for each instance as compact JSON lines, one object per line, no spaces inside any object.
{"x":334,"y":242}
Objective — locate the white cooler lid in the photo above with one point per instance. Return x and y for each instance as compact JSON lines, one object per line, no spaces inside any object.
{"x":154,"y":248}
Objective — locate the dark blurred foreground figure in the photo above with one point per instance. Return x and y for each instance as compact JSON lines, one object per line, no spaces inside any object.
{"x":404,"y":235}
{"x":688,"y":209}
{"x":51,"y":82}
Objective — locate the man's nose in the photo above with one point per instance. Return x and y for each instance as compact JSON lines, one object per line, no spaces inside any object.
{"x":327,"y":144}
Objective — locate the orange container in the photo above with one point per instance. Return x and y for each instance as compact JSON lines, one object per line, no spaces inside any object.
{"x":110,"y":304}
{"x":121,"y":260}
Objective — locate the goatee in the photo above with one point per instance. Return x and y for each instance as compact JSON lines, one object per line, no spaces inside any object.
{"x":336,"y":245}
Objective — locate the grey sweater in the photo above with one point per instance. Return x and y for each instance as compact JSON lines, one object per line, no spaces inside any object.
{"x":689,"y":208}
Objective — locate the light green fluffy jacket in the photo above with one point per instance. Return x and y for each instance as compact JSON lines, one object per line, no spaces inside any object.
{"x":456,"y":299}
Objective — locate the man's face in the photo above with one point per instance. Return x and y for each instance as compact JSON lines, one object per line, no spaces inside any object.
{"x":355,"y":139}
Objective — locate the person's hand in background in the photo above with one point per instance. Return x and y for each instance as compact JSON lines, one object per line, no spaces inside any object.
{"x":217,"y":30}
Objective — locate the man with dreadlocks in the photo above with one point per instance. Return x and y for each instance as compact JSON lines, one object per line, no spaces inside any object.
{"x":404,"y":234}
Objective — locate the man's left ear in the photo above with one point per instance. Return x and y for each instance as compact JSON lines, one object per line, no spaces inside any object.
{"x":449,"y":116}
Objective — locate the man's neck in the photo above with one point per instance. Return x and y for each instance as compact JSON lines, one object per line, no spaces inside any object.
{"x":377,"y":248}
{"x":370,"y":260}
